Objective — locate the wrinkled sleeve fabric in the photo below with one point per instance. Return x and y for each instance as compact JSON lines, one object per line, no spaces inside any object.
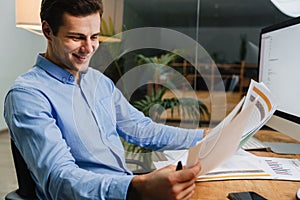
{"x":47,"y":155}
{"x":135,"y":128}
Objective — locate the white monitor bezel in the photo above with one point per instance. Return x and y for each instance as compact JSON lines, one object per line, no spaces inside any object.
{"x":281,"y":121}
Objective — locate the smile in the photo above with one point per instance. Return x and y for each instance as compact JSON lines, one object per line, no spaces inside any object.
{"x":81,"y":58}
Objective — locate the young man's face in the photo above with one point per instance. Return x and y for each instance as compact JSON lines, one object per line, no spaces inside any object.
{"x":75,"y":42}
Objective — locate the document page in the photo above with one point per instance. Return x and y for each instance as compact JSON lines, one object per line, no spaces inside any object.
{"x":212,"y":138}
{"x":264,"y":108}
{"x":242,"y":165}
{"x":215,"y":150}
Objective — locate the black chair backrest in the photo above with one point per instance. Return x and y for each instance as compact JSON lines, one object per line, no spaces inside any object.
{"x":26,"y":184}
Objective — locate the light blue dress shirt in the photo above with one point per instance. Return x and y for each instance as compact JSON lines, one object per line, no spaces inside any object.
{"x":69,"y":133}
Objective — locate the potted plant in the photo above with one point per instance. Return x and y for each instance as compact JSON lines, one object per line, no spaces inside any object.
{"x":192,"y":107}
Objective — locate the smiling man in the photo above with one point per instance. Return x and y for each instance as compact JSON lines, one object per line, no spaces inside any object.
{"x":75,"y":42}
{"x":66,"y":119}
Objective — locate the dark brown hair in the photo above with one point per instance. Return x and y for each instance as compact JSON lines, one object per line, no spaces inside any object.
{"x":52,"y":10}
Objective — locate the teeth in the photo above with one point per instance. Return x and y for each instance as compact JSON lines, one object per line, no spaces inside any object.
{"x":81,"y":57}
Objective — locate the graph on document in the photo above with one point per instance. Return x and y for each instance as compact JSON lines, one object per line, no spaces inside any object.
{"x":284,"y":168}
{"x":279,"y":168}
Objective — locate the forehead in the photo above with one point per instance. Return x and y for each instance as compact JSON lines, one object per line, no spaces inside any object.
{"x":86,"y":25}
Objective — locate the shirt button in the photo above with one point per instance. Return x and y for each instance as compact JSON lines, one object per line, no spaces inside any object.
{"x":71,"y":78}
{"x":64,"y":79}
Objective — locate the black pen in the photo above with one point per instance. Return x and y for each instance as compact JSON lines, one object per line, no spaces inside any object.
{"x":179,"y":166}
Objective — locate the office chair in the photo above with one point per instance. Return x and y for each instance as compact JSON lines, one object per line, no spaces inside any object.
{"x":26,"y":184}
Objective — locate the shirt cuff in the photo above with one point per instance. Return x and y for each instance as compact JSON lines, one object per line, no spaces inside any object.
{"x":119,"y":186}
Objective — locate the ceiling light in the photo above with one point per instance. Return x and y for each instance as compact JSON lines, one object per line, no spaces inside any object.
{"x":288,"y":7}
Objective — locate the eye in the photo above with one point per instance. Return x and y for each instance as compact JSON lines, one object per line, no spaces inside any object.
{"x":95,"y":37}
{"x":76,"y":38}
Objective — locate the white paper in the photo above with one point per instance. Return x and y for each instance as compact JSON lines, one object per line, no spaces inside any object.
{"x":225,"y":139}
{"x":213,"y":151}
{"x":255,"y":167}
{"x":244,"y":165}
{"x":263,"y":110}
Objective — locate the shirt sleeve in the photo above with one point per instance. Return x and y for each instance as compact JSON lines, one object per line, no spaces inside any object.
{"x":47,"y":155}
{"x":138,"y":129}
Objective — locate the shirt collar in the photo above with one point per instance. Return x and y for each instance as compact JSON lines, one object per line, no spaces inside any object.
{"x":54,"y":70}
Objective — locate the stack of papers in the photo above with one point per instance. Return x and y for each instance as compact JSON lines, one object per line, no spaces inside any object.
{"x":243,"y":165}
{"x":225,"y":139}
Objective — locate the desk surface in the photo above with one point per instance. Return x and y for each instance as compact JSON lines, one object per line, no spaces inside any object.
{"x":270,"y":189}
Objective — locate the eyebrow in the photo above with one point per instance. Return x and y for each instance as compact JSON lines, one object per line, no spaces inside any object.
{"x":82,"y":35}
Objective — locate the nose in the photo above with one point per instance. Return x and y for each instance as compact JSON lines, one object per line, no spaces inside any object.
{"x":87,"y":46}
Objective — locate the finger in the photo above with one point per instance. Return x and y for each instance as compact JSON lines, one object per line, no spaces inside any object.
{"x":196,"y":168}
{"x":188,"y":174}
{"x":205,"y":133}
{"x":189,"y":195}
{"x":182,"y":189}
{"x":187,"y":192}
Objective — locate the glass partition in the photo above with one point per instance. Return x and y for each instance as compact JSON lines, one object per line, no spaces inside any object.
{"x":223,"y":58}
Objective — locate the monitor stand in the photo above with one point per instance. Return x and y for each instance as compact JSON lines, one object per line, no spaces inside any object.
{"x":283,"y":148}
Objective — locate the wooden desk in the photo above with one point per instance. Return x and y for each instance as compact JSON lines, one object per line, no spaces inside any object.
{"x":270,"y":189}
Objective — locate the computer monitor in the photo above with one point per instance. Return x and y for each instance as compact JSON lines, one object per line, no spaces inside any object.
{"x":279,"y":69}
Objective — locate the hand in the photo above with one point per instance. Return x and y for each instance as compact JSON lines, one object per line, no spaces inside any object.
{"x":165,"y":183}
{"x":206,"y":131}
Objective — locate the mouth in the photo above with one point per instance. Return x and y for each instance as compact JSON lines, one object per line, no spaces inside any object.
{"x":81,"y":58}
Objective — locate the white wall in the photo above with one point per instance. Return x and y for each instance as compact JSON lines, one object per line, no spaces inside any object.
{"x":18,"y":50}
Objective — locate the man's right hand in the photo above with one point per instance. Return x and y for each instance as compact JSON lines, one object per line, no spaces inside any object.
{"x":165,"y":184}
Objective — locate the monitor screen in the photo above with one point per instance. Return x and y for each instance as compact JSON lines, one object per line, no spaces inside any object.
{"x":279,"y":69}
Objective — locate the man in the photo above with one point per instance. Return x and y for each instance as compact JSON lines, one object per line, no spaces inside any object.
{"x":66,"y":119}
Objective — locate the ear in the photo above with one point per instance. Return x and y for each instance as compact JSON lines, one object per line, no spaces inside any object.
{"x":47,"y":31}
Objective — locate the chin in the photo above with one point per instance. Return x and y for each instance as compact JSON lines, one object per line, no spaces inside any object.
{"x":83,"y":68}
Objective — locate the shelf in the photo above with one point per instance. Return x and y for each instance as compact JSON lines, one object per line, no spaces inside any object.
{"x":213,"y":72}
